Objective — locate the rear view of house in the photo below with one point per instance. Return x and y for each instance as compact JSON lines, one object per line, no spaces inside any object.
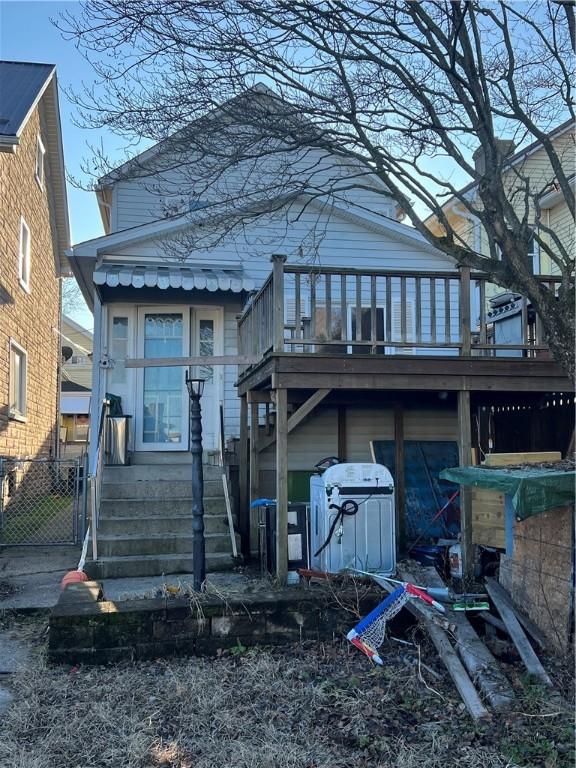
{"x":34,"y":237}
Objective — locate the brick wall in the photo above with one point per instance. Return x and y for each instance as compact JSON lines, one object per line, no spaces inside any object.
{"x":28,"y":318}
{"x":86,"y":629}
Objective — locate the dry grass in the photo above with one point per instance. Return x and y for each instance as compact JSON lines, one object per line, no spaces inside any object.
{"x":305,"y":706}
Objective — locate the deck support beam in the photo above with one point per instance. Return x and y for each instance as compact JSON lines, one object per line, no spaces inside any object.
{"x":342,"y":437}
{"x":244,"y":511}
{"x":281,"y":485}
{"x":465,"y":458}
{"x":400,"y":479}
{"x":254,"y":471}
{"x":303,"y":411}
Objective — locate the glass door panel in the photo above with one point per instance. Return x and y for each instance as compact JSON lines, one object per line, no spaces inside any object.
{"x":163,"y":406}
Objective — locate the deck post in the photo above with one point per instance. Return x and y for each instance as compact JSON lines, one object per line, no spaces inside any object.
{"x":282,"y":485}
{"x":400,"y":479}
{"x":465,"y":458}
{"x":278,"y":261}
{"x":244,"y":511}
{"x":342,"y":439}
{"x":254,"y":469}
{"x":465,"y":327}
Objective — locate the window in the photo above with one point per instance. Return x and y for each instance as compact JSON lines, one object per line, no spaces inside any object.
{"x":24,"y":256}
{"x":79,"y":360}
{"x":18,"y":373}
{"x":533,"y":254}
{"x":40,"y":152}
{"x":119,"y":349}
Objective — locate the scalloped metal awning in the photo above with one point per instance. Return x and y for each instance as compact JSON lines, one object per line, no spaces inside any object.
{"x":187,"y":278}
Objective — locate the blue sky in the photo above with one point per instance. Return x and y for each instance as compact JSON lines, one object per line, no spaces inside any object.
{"x":27,"y":34}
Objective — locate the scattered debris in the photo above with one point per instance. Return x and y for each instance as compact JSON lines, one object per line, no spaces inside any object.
{"x":506,"y":611}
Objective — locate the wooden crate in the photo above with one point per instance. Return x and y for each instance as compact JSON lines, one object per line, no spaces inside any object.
{"x":488,"y":526}
{"x":488,"y":518}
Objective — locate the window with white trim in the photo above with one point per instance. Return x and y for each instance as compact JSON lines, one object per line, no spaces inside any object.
{"x":18,"y":376}
{"x":24,"y":256}
{"x":533,"y":254}
{"x":40,"y":152}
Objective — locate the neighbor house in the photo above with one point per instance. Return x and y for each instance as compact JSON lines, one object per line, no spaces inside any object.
{"x":35,"y":237}
{"x":343,"y":332}
{"x":75,"y":388}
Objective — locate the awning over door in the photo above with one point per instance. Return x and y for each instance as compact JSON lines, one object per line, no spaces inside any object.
{"x":187,"y":278}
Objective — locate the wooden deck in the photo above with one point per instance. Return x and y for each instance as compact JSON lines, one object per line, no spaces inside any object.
{"x":327,"y":330}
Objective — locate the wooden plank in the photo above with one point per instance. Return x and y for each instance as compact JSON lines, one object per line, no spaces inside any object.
{"x":403,"y":309}
{"x":465,"y":323}
{"x":297,"y":309}
{"x":447,"y":325}
{"x":388,"y":309}
{"x":358,"y":308}
{"x":400,"y":479}
{"x":343,"y":308}
{"x":479,"y":662}
{"x":451,"y":661}
{"x":433,"y":309}
{"x":303,"y":411}
{"x":418,"y":291}
{"x":464,"y":457}
{"x":503,"y":603}
{"x":373,"y":323}
{"x":328,"y":290}
{"x":172,"y":362}
{"x":282,"y":486}
{"x":482,"y":303}
{"x":278,"y":288}
{"x":505,"y":459}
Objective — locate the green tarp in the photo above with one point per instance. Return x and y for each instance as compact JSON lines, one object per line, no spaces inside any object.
{"x":532,"y":491}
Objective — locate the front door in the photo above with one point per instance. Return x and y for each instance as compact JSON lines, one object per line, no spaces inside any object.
{"x":162,"y":409}
{"x":162,"y":402}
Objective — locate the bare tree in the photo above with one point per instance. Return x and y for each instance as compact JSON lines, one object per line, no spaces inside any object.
{"x":388,"y":95}
{"x":72,"y":299}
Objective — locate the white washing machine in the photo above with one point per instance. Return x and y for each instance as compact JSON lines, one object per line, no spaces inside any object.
{"x":365,"y":538}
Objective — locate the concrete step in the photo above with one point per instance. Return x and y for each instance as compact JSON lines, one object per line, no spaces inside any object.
{"x":159,"y":544}
{"x":146,"y":507}
{"x":171,"y":457}
{"x":152,"y":565}
{"x":159,"y":524}
{"x":153,"y":472}
{"x":157,"y":489}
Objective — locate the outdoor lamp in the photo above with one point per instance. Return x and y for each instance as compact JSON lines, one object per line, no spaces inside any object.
{"x":195,"y":386}
{"x":195,"y":390}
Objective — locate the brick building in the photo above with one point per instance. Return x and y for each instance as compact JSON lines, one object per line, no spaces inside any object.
{"x":34,"y":238}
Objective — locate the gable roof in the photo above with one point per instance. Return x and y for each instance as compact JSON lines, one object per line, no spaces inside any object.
{"x":23,"y":85}
{"x":509,"y":162}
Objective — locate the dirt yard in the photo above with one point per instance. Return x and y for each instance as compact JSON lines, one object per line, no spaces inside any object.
{"x":305,"y":706}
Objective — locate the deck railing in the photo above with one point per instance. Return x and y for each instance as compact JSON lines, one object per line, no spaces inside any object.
{"x":95,"y":477}
{"x":304,"y":309}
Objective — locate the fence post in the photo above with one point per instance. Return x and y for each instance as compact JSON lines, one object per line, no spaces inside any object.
{"x":465,"y":331}
{"x":278,"y":261}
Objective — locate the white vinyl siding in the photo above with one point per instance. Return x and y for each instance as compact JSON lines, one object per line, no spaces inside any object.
{"x":317,"y":436}
{"x":24,"y":256}
{"x":18,"y":381}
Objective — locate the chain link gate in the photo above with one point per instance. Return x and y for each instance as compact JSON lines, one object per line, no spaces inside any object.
{"x":42,"y":501}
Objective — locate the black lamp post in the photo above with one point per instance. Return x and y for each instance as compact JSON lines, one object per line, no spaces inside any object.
{"x":195,"y":389}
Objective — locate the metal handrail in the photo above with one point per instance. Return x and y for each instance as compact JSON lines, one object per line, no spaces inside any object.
{"x":95,"y":478}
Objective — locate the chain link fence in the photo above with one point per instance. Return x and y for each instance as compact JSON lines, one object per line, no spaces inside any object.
{"x":42,"y":501}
